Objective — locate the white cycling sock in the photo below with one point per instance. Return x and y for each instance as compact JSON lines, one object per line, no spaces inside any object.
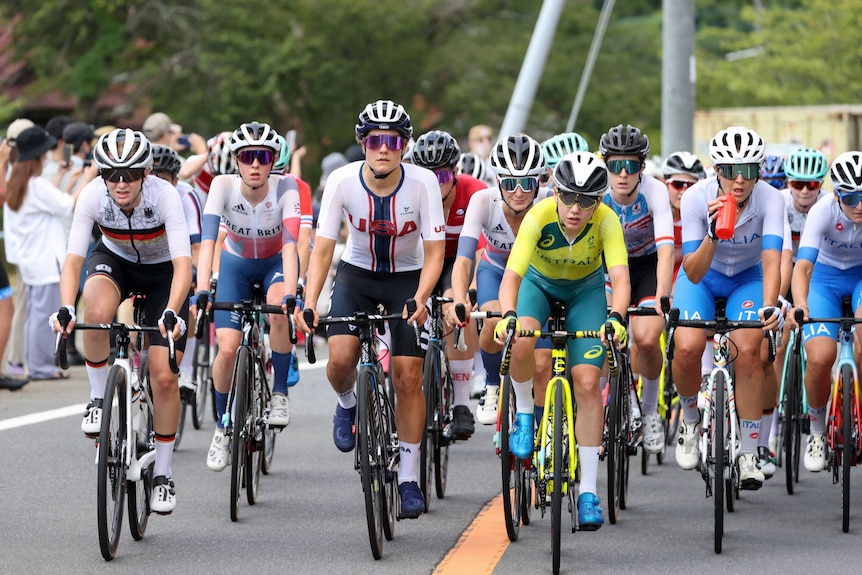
{"x":409,"y":462}
{"x":817,"y":416}
{"x":164,"y":453}
{"x":460,"y":370}
{"x":187,"y":365}
{"x":706,"y":358}
{"x":98,"y":380}
{"x":749,"y":431}
{"x":649,"y":395}
{"x":690,"y":412}
{"x":765,"y":424}
{"x":523,"y":396}
{"x":347,"y":399}
{"x":588,"y":457}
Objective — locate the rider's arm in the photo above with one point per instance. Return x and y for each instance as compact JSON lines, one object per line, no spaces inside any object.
{"x":219,"y":191}
{"x":801,"y":282}
{"x":318,"y":268}
{"x":621,"y":289}
{"x":431,"y":268}
{"x":659,"y":206}
{"x":509,"y":286}
{"x":192,"y":166}
{"x":468,"y":240}
{"x":290,"y":202}
{"x":180,"y":250}
{"x":697,"y":247}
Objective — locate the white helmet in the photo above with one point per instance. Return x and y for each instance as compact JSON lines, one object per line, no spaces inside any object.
{"x":472,"y":165}
{"x":518,"y":155}
{"x":846,"y":173}
{"x":254,"y":134}
{"x":219,"y":156}
{"x":736,"y":145}
{"x":383,"y":115}
{"x":123,"y":148}
{"x":683,"y":163}
{"x":582,"y":172}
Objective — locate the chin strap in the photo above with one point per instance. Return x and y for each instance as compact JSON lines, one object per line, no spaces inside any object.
{"x":378,"y":176}
{"x":636,"y":188}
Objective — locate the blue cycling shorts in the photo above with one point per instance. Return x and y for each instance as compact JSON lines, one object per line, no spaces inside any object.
{"x":827,"y":286}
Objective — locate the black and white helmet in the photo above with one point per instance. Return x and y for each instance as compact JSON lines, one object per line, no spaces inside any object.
{"x":736,"y":145}
{"x":384,"y":115}
{"x":683,"y":163}
{"x":624,"y":141}
{"x":123,"y":148}
{"x":472,"y":165}
{"x":254,"y":134}
{"x":436,"y":150}
{"x":582,"y":172}
{"x":518,"y":155}
{"x":165,"y":159}
{"x":846,"y":173}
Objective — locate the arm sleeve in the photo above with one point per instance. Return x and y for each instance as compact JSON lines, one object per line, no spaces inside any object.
{"x":216,"y":200}
{"x":471,"y":231}
{"x":773,"y":220}
{"x":175,"y":225}
{"x":659,"y":206}
{"x":693,"y":213}
{"x":86,"y":210}
{"x":809,"y":242}
{"x":290,"y":213}
{"x":613,"y":240}
{"x":192,"y":213}
{"x":331,"y":209}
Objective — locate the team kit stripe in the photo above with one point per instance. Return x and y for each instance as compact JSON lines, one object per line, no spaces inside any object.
{"x":126,"y":235}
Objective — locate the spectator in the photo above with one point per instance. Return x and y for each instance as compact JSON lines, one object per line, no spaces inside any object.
{"x":55,"y":127}
{"x":161,"y":130}
{"x":7,"y":306}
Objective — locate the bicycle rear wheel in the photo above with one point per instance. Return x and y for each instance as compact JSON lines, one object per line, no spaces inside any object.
{"x":719,"y":441}
{"x":255,"y":424}
{"x":848,"y":444}
{"x":111,"y":469}
{"x":202,"y":375}
{"x":510,"y":466}
{"x":239,"y":429}
{"x":389,"y":455}
{"x":558,"y":463}
{"x":430,"y":386}
{"x":792,"y":427}
{"x":369,"y":450}
{"x":141,"y":491}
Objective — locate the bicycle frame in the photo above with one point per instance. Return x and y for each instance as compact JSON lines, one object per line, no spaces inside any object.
{"x":708,"y":443}
{"x":558,"y":377}
{"x":846,"y":358}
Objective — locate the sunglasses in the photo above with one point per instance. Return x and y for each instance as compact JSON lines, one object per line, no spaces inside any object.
{"x":802,"y":184}
{"x":680,"y":184}
{"x":851,"y":200}
{"x":526,"y":183}
{"x":376,"y":141}
{"x":444,"y":176}
{"x":263,"y":157}
{"x":584,"y":201}
{"x":115,"y":175}
{"x":630,"y":166}
{"x":731,"y":171}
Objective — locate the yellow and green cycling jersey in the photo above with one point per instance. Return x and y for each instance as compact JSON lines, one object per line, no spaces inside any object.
{"x":541,"y":244}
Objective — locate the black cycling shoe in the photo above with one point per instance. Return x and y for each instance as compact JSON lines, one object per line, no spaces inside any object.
{"x":463,"y":425}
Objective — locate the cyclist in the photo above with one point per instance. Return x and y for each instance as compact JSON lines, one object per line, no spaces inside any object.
{"x":743,"y":269}
{"x":438,"y":151}
{"x":681,"y":170}
{"x":558,"y":255}
{"x":472,"y":165}
{"x":394,"y":252}
{"x":642,"y":205}
{"x":558,"y":147}
{"x":772,"y":171}
{"x":495,"y":214}
{"x":144,"y":248}
{"x":829,"y":257}
{"x":260,"y":212}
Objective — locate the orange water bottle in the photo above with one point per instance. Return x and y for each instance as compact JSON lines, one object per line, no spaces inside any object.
{"x":725,"y":221}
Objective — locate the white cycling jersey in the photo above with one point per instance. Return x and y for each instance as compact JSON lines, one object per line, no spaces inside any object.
{"x":830,"y":237}
{"x":647,"y":221}
{"x":253,"y":231}
{"x":759,"y":228}
{"x":796,"y":218}
{"x":383,"y":233}
{"x":155,"y":232}
{"x":194,"y":210}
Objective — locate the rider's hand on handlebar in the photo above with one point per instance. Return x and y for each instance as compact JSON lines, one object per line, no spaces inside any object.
{"x":179,"y":327}
{"x":501,"y":330}
{"x":775,"y":321}
{"x":620,"y":333}
{"x":55,"y":324}
{"x":419,"y":317}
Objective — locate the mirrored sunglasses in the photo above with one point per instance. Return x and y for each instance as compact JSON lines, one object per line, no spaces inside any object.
{"x":584,"y":201}
{"x":630,"y":166}
{"x":376,"y":141}
{"x":248,"y":157}
{"x":851,"y":200}
{"x":115,"y":175}
{"x":731,"y":171}
{"x":680,"y":184}
{"x":527,"y":183}
{"x":444,"y":176}
{"x":802,"y":184}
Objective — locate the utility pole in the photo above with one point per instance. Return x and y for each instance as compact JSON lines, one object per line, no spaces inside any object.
{"x":596,"y":45}
{"x":678,"y":76}
{"x":532,"y":68}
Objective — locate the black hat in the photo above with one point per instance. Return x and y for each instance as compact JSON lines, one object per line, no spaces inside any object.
{"x":33,"y":142}
{"x":56,"y":125}
{"x":77,"y":133}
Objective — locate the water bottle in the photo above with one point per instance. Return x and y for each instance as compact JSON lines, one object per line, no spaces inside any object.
{"x":725,"y":221}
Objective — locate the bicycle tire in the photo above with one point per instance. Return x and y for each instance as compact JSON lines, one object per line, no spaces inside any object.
{"x":111,"y":470}
{"x":627,"y":435}
{"x":558,"y":464}
{"x":441,"y":446}
{"x":238,"y":431}
{"x":202,"y":376}
{"x":791,"y":424}
{"x":615,"y":415}
{"x":390,"y":453}
{"x":508,"y":462}
{"x":255,"y":420}
{"x":430,"y":379}
{"x":267,"y":449}
{"x":140,"y":492}
{"x":181,"y":423}
{"x":719,"y":415}
{"x":847,"y":443}
{"x":367,"y":444}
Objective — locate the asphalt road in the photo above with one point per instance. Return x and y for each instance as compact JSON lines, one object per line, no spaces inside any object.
{"x":309,"y":517}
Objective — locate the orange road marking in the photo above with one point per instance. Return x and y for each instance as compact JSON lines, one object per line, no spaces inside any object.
{"x":481,"y":546}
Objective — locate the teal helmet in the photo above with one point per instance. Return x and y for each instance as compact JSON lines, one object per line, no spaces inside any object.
{"x":806,"y":164}
{"x":283,"y":160}
{"x":558,"y":147}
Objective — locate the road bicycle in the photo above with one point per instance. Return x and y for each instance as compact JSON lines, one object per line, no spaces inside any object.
{"x":204,"y":353}
{"x":844,"y":420}
{"x":556,"y":452}
{"x":792,"y":412}
{"x":439,"y":396}
{"x":377,"y":449}
{"x":125,"y":453}
{"x":719,"y":432}
{"x":245,"y":420}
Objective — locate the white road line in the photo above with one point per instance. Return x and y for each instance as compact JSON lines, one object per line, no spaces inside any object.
{"x":78,"y":409}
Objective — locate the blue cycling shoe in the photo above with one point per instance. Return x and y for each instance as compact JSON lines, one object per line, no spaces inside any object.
{"x":412,"y":502}
{"x":342,"y":428}
{"x":590,"y":516}
{"x":293,"y":371}
{"x":521,"y":436}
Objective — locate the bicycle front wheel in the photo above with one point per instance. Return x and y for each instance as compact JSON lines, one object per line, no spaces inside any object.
{"x":444,"y":415}
{"x":389,"y":455}
{"x":255,"y":424}
{"x":369,"y":452}
{"x":111,"y":469}
{"x":239,"y":430}
{"x":848,"y":444}
{"x":430,"y":387}
{"x":558,"y":465}
{"x":141,"y":491}
{"x":719,"y":441}
{"x":509,"y":464}
{"x":616,"y":443}
{"x":792,"y":425}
